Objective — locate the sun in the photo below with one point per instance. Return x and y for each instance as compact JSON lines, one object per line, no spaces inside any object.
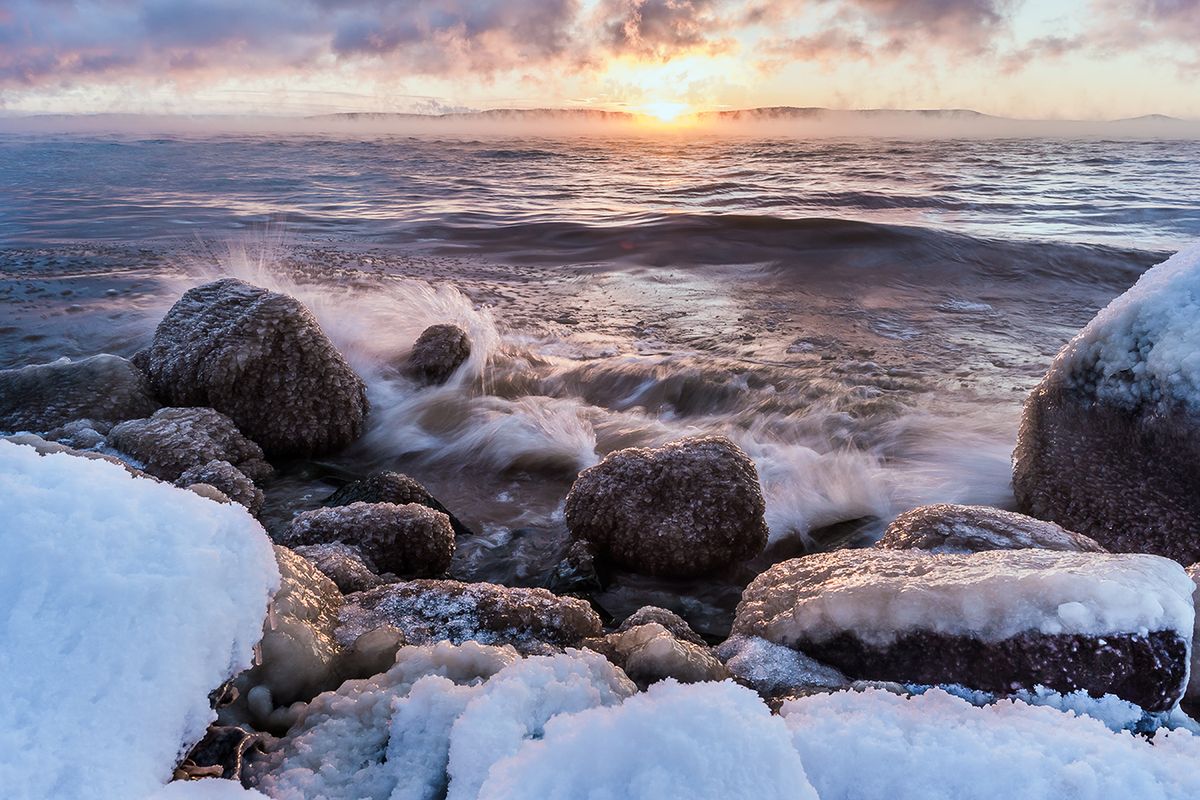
{"x":665,"y":111}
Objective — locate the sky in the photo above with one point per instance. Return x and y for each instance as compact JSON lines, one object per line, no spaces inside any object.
{"x":1056,"y":59}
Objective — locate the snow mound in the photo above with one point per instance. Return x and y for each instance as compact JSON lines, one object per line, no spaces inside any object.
{"x":936,"y":746}
{"x":126,"y":601}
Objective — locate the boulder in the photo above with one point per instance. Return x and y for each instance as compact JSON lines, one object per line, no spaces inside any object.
{"x":1109,"y":444}
{"x":995,"y":621}
{"x":674,"y":623}
{"x":687,"y":509}
{"x":175,"y":440}
{"x":41,"y":397}
{"x":427,"y":611}
{"x":437,"y":353}
{"x":227,"y":479}
{"x":409,"y":540}
{"x":392,"y":487}
{"x":945,"y":528}
{"x":261,"y":358}
{"x":650,"y":653}
{"x":80,"y":434}
{"x":344,"y":564}
{"x":576,"y":572}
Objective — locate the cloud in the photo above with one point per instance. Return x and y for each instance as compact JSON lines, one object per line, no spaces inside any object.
{"x":663,"y":29}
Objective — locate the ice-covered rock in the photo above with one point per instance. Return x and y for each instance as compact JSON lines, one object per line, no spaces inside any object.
{"x":1193,"y":689}
{"x":81,"y":434}
{"x":686,"y":509}
{"x":40,"y":397}
{"x":227,"y":479}
{"x":649,"y":653}
{"x":997,"y":620}
{"x":437,"y":353}
{"x":577,"y":571}
{"x":676,"y":624}
{"x":173,"y":440}
{"x":1109,"y":444}
{"x":532,"y":620}
{"x":776,"y":670}
{"x":396,"y":488}
{"x":344,"y":564}
{"x":945,"y":528}
{"x":261,"y":358}
{"x":411,"y":540}
{"x":40,"y":445}
{"x":126,"y":602}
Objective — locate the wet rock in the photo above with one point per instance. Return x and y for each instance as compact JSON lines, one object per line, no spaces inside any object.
{"x":409,"y":540}
{"x":344,"y":564}
{"x":650,"y":653}
{"x":41,"y":397}
{"x":396,"y":488}
{"x":945,"y":528}
{"x":1109,"y":444}
{"x":175,"y":440}
{"x":577,"y":572}
{"x":437,"y":353}
{"x":775,"y":670}
{"x":227,"y":479}
{"x":220,"y":754}
{"x":427,"y":611}
{"x":689,"y":508}
{"x":996,"y":621}
{"x":261,"y":358}
{"x":80,"y":434}
{"x":674,"y":623}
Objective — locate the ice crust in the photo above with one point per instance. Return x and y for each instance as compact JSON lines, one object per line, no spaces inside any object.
{"x":126,"y":602}
{"x":880,"y":594}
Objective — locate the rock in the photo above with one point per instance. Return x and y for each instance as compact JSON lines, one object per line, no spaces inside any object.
{"x":996,"y":621}
{"x":44,"y":448}
{"x":344,"y":564}
{"x":261,"y":358}
{"x":650,"y":653}
{"x":207,"y":490}
{"x":40,"y":397}
{"x":80,"y":434}
{"x":1193,"y":689}
{"x":1109,"y":444}
{"x":392,"y":487}
{"x":775,"y":670}
{"x":687,"y":509}
{"x":220,"y":754}
{"x":426,"y":611}
{"x":409,"y":540}
{"x":175,"y":440}
{"x":947,"y":528}
{"x":227,"y":479}
{"x":437,"y":353}
{"x":577,"y":572}
{"x":668,"y":619}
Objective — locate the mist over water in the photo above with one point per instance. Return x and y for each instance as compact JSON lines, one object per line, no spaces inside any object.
{"x":863,"y":316}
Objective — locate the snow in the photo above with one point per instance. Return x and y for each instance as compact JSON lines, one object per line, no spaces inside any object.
{"x":1193,"y":689}
{"x":1143,"y":349}
{"x":126,"y":601}
{"x":206,"y":789}
{"x":936,"y":746}
{"x":881,"y":594}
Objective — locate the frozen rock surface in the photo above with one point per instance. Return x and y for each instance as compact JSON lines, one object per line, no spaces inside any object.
{"x":1193,"y":690}
{"x":776,"y":670}
{"x":227,"y":479}
{"x":1109,"y":444}
{"x":674,"y":623}
{"x":947,"y":528}
{"x":411,"y":540}
{"x":532,"y":620}
{"x":175,"y":440}
{"x":261,"y":358}
{"x":126,"y":602}
{"x":437,"y":353}
{"x":395,"y":488}
{"x":41,"y":397}
{"x":997,"y":620}
{"x":82,"y":434}
{"x":649,"y":653}
{"x":686,"y":509}
{"x":344,"y":564}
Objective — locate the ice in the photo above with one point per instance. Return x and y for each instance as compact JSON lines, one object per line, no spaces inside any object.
{"x":775,"y":669}
{"x":126,"y":602}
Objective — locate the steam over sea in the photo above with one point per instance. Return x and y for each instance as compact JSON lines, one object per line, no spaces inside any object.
{"x":863,"y":316}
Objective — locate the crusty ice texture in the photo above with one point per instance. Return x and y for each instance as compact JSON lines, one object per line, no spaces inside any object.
{"x":173,"y":440}
{"x":944,"y":528}
{"x":410,"y":540}
{"x":40,"y":397}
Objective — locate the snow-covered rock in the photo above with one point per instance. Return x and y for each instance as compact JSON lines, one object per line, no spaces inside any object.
{"x":426,"y":611}
{"x":126,"y":602}
{"x":776,"y":670}
{"x":227,"y":479}
{"x":343,"y":564}
{"x":685,"y":509}
{"x":996,"y":620}
{"x":649,"y":653}
{"x":411,"y":540}
{"x":396,"y":488}
{"x":261,"y":358}
{"x":945,"y":528}
{"x":1109,"y":444}
{"x":41,"y":397}
{"x":437,"y":353}
{"x":174,"y":440}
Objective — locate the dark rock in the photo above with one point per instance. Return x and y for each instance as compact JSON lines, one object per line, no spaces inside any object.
{"x":175,"y":440}
{"x":689,"y":508}
{"x":437,"y":353}
{"x":261,"y":358}
{"x":410,"y":540}
{"x":428,"y":611}
{"x":396,"y":488}
{"x":344,"y":564}
{"x":41,"y":397}
{"x":227,"y":479}
{"x":577,"y":572}
{"x":947,"y":528}
{"x":674,"y":623}
{"x":220,"y":754}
